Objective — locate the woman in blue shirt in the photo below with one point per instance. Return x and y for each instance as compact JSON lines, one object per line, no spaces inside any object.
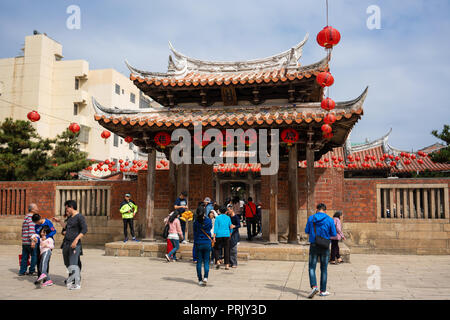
{"x":202,"y":242}
{"x":222,"y":233}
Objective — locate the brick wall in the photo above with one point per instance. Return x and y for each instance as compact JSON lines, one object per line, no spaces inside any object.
{"x":43,"y":193}
{"x":360,"y":196}
{"x":329,"y":188}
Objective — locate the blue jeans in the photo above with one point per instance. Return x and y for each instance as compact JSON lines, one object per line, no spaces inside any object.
{"x":316,"y":253}
{"x":26,"y":252}
{"x":183,"y":228}
{"x":203,"y":251}
{"x":176,"y":246}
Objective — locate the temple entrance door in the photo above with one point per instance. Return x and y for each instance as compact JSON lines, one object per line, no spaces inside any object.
{"x":241,"y":188}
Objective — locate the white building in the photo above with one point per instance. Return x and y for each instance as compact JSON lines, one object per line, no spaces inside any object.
{"x":61,"y":90}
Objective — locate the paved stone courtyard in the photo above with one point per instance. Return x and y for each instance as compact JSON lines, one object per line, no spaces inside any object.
{"x":122,"y":278}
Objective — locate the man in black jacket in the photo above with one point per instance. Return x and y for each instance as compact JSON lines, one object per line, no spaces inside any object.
{"x":76,"y":228}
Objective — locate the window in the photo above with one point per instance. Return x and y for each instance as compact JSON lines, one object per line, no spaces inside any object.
{"x":84,"y":134}
{"x":116,"y":140}
{"x":77,"y":83}
{"x":132,"y":97}
{"x":143,"y":101}
{"x":75,"y":109}
{"x":123,"y":91}
{"x":131,"y":145}
{"x":117,"y":89}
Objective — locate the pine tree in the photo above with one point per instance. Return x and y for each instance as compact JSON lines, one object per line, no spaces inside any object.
{"x":26,"y":156}
{"x":66,"y":159}
{"x":23,"y":153}
{"x":442,"y":155}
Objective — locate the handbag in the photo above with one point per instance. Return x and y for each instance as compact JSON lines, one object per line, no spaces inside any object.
{"x":320,"y":241}
{"x":166,"y":231}
{"x":213,"y":242}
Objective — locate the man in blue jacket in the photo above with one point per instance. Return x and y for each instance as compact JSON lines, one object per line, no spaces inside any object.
{"x":324,"y":226}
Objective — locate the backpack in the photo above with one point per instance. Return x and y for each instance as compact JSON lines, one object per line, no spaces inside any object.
{"x":166,"y":231}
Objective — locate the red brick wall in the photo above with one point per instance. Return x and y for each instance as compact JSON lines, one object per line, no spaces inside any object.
{"x":360,"y":196}
{"x":43,"y":193}
{"x":329,"y":187}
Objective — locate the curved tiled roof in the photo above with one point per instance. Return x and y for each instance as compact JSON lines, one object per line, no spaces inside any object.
{"x":187,"y":71}
{"x":231,"y":116}
{"x":198,"y":78}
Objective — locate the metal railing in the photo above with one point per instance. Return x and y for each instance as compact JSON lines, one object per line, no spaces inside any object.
{"x":91,"y":201}
{"x":412,"y":201}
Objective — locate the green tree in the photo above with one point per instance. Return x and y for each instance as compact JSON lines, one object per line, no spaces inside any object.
{"x":23,"y":153}
{"x":66,"y":157}
{"x":442,"y":155}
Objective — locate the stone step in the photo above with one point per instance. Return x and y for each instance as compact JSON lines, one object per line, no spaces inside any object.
{"x":254,"y":252}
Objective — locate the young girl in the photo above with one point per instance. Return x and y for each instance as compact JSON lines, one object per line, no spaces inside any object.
{"x":175,"y":235}
{"x":46,"y":245}
{"x":337,"y":217}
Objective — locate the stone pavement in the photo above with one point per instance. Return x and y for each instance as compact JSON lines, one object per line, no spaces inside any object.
{"x":122,"y":278}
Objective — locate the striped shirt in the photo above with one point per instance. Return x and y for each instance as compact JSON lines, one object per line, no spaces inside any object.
{"x":27,"y":229}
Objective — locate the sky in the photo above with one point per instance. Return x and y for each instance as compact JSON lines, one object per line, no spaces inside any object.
{"x":404,"y":62}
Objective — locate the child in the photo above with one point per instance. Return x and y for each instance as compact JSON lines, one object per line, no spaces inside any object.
{"x":46,"y":245}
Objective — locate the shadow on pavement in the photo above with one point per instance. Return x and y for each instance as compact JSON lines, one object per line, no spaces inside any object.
{"x":301,"y":293}
{"x":57,"y":280}
{"x":190,"y":281}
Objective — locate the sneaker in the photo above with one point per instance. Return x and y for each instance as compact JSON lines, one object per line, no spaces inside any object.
{"x":41,"y":277}
{"x":135,"y":240}
{"x":184,"y":242}
{"x":75,"y":287}
{"x":31,"y":273}
{"x":324,"y":294}
{"x":125,"y":240}
{"x":167,"y":258}
{"x":205,"y":281}
{"x":22,"y":274}
{"x":313,"y":292}
{"x":47,"y":283}
{"x":200,"y":283}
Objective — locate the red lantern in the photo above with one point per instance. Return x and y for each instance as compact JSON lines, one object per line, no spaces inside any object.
{"x":328,"y":104}
{"x":289,"y":136}
{"x":134,"y":161}
{"x":250,"y":139}
{"x":334,"y":158}
{"x":74,"y":127}
{"x":105,"y":134}
{"x":162,"y":139}
{"x":33,"y":116}
{"x":420,"y":161}
{"x":324,"y":79}
{"x":128,"y":139}
{"x":407,"y":155}
{"x":357,"y":158}
{"x":329,"y":118}
{"x":126,"y":164}
{"x":120,"y":161}
{"x":201,"y":139}
{"x":228,"y":138}
{"x":408,"y":162}
{"x":328,"y":37}
{"x":413,"y":156}
{"x":397,"y":158}
{"x":158,"y":166}
{"x":391,"y":157}
{"x":326,"y":159}
{"x":326,"y":128}
{"x":393,"y":163}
